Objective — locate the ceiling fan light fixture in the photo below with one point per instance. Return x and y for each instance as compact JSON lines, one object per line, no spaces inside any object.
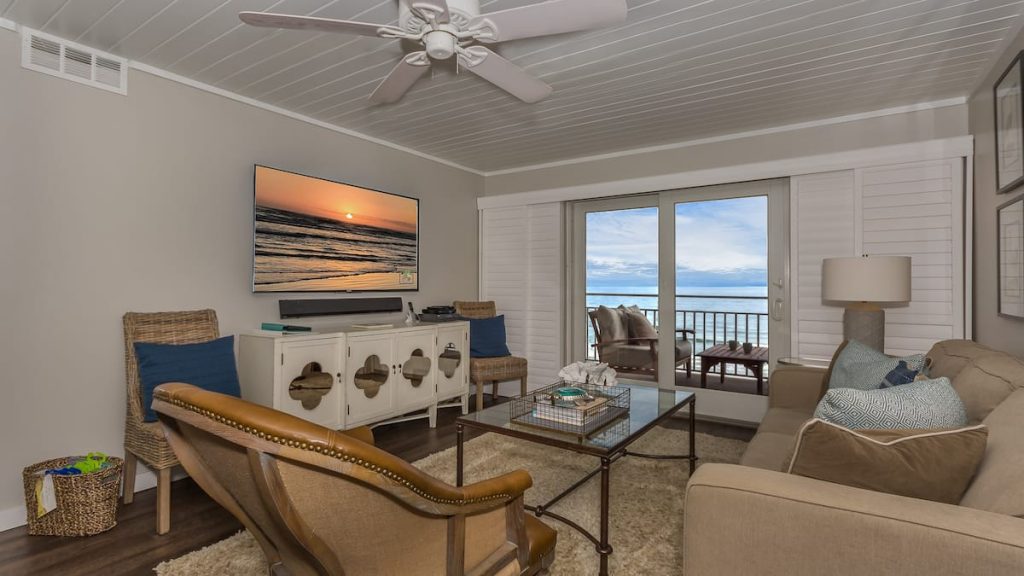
{"x":440,"y":44}
{"x":445,"y":28}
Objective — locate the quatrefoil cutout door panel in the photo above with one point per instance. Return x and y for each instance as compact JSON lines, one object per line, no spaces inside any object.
{"x":449,"y":360}
{"x":311,"y":386}
{"x":416,"y":368}
{"x":371,"y":376}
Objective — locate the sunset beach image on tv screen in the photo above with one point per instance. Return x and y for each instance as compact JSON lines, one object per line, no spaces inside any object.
{"x":314,"y":235}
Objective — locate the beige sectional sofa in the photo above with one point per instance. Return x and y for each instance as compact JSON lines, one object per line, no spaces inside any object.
{"x":752,"y":518}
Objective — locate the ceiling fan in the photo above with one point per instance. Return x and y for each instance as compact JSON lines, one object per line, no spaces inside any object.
{"x":447,"y":28}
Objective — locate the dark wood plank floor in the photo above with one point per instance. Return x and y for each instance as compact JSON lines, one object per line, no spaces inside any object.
{"x":134,"y":548}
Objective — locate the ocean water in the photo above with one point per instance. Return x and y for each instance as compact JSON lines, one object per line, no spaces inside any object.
{"x":714,"y":312}
{"x":297,"y":251}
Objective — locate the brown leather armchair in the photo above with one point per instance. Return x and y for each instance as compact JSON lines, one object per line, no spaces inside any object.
{"x":324,"y":502}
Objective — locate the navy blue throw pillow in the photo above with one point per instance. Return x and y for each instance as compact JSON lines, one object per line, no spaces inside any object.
{"x":901,"y":374}
{"x":487,"y":338}
{"x":208,"y":365}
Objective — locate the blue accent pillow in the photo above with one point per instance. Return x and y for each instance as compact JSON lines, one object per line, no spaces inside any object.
{"x":901,"y":374}
{"x":487,"y":337}
{"x":864,"y":368}
{"x":208,"y":365}
{"x":920,"y":404}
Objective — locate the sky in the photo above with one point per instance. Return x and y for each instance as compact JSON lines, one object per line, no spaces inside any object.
{"x":296,"y":193}
{"x":718,"y":243}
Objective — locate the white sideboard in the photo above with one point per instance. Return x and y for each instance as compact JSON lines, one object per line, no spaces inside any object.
{"x":349,"y":377}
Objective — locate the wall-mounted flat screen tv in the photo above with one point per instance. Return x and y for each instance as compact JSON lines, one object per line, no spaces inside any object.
{"x":314,"y":235}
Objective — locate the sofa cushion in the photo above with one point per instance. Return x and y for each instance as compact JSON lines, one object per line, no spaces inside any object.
{"x":921,"y":404}
{"x":772,"y":446}
{"x":986,"y":381}
{"x":931,"y":465}
{"x":949,"y":357}
{"x":864,"y":368}
{"x":768,"y":450}
{"x":612,"y":324}
{"x":999,"y":485}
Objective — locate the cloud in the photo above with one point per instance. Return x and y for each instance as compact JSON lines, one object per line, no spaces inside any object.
{"x":716,"y":241}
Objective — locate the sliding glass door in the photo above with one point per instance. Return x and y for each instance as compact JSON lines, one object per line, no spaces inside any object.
{"x":708,"y":268}
{"x":617,"y":244}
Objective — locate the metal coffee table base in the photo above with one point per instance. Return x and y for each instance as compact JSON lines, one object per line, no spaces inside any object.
{"x":601,"y":543}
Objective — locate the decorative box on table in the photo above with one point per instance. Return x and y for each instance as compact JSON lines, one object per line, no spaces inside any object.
{"x":534,"y":409}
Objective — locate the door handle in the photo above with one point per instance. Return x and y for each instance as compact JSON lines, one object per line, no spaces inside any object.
{"x":777,"y":307}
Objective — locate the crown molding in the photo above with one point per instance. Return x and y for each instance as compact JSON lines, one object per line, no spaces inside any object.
{"x":961,"y":146}
{"x":931,"y":105}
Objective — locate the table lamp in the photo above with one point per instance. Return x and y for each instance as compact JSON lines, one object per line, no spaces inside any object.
{"x":861,"y":284}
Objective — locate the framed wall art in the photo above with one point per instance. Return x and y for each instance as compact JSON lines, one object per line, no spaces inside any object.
{"x":1009,"y":118}
{"x":1010,"y":226}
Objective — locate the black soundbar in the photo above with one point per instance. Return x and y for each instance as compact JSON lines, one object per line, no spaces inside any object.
{"x":335,"y":306}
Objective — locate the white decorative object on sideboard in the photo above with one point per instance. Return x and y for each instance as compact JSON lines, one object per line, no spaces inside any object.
{"x":352,"y":377}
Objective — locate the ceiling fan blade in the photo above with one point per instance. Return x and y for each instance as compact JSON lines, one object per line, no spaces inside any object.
{"x":290,"y":22}
{"x":503,"y":74}
{"x":553,"y":17}
{"x":401,"y":79}
{"x":437,"y":8}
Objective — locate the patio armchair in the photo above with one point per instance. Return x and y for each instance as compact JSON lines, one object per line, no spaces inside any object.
{"x":628,"y":342}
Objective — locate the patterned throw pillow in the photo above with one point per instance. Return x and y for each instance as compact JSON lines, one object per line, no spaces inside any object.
{"x":920,"y":404}
{"x":863,"y":368}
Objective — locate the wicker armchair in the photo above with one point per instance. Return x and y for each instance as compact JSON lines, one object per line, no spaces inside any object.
{"x":145,"y":440}
{"x":321,"y":502}
{"x":493,"y":370}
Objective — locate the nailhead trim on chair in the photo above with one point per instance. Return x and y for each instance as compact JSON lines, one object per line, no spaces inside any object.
{"x":333,"y":454}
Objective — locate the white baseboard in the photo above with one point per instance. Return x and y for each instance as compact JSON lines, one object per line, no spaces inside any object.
{"x":144,"y":480}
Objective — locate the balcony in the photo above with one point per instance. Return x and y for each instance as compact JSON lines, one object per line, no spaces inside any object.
{"x":714,"y":318}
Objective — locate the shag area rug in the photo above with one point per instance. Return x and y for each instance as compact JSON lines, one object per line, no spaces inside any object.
{"x":646,"y":503}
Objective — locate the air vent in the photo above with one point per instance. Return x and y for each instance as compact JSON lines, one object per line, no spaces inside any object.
{"x":57,"y":57}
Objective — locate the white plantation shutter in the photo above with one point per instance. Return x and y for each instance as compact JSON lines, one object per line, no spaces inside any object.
{"x":914,"y":210}
{"x":822,"y":208}
{"x":521,"y":270}
{"x":503,"y":269}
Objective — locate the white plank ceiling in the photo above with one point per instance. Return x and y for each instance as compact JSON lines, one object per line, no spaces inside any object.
{"x":676,"y":70}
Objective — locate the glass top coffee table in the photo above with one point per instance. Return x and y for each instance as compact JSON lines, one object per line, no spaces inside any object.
{"x":648,"y":407}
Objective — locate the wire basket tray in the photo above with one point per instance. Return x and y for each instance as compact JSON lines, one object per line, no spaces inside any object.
{"x":530,"y":410}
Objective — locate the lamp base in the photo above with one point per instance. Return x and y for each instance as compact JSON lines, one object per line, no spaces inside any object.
{"x":865,"y":325}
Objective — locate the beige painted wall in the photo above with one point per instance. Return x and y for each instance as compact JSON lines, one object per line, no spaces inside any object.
{"x":990,"y":328}
{"x":944,"y":122}
{"x":111,"y":203}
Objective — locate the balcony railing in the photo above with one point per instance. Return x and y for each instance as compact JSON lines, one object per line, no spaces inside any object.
{"x":711,"y":327}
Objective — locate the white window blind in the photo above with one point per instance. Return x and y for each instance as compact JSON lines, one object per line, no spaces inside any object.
{"x":822,"y":208}
{"x":914,"y":210}
{"x":521,"y":270}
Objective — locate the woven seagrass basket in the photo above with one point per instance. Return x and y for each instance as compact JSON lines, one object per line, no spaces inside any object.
{"x":86,"y":503}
